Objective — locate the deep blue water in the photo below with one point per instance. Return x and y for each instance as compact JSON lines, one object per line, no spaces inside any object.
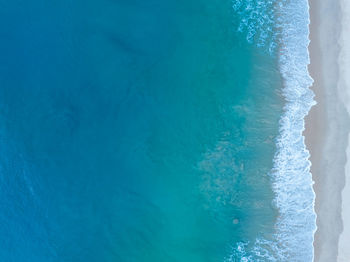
{"x":137,"y":131}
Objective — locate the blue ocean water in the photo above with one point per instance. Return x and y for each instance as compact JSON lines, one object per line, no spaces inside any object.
{"x":154,"y":131}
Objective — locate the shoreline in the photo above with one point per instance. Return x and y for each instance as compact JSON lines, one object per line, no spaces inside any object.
{"x":292,"y":181}
{"x":327,"y":128}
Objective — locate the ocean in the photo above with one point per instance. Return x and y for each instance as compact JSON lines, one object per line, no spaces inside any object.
{"x":154,"y":131}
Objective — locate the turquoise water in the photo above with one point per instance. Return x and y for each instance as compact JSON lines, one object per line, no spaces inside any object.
{"x":140,"y":130}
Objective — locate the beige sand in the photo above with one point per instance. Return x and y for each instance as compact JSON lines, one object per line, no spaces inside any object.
{"x":327,"y":128}
{"x":344,"y":89}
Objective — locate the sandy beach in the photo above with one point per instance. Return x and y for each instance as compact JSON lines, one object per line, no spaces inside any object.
{"x":327,"y":130}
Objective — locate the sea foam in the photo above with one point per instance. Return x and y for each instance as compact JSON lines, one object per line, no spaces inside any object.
{"x":295,"y":197}
{"x":291,"y":177}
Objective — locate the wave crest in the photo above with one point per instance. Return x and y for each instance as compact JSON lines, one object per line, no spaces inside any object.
{"x":286,"y":24}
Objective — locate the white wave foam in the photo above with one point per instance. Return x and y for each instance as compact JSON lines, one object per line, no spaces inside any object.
{"x":292,"y":180}
{"x":295,"y":197}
